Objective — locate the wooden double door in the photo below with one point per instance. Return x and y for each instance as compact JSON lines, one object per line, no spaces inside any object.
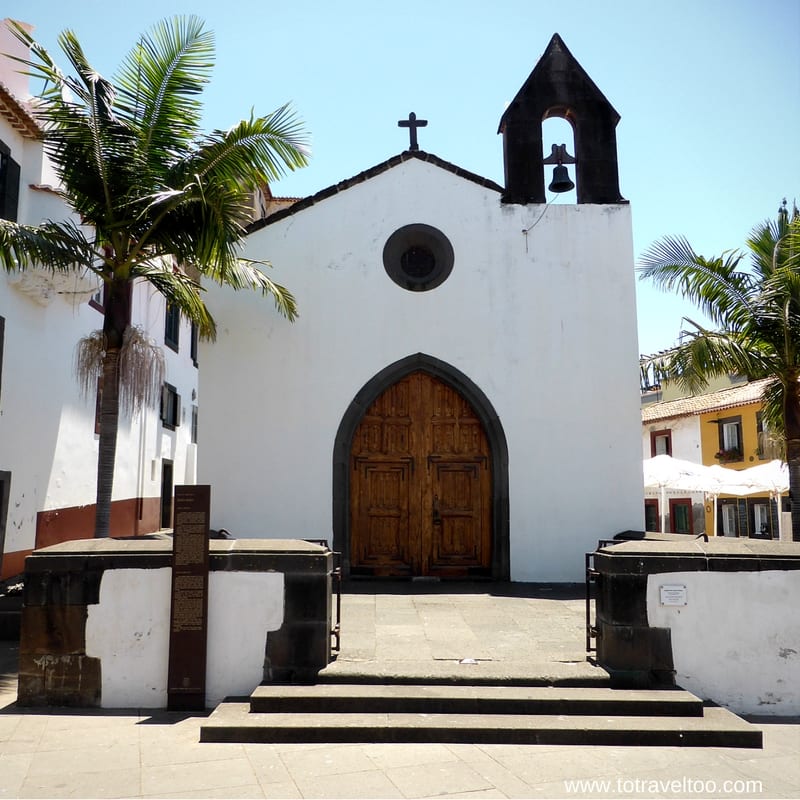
{"x":421,"y":483}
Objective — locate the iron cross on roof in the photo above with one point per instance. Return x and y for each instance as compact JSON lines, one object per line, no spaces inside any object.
{"x":412,"y":123}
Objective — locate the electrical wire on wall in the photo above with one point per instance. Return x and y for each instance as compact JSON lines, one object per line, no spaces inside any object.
{"x":538,"y":219}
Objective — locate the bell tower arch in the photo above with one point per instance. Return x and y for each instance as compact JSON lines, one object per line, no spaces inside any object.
{"x":560,"y":87}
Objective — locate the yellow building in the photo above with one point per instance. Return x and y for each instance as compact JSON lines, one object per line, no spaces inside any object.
{"x":732,"y":435}
{"x":719,"y":427}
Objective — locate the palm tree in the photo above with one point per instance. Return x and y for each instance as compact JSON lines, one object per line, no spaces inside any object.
{"x":756,"y":315}
{"x":158,"y":200}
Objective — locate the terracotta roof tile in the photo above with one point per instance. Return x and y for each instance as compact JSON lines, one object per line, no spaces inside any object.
{"x":713,"y":401}
{"x":18,"y":115}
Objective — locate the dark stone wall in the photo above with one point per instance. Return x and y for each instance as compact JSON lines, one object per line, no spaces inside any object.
{"x":63,"y":580}
{"x":631,"y":651}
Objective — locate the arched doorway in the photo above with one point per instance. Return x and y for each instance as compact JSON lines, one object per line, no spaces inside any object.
{"x":421,"y":477}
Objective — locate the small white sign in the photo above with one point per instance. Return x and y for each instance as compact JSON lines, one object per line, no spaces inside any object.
{"x":673,"y":594}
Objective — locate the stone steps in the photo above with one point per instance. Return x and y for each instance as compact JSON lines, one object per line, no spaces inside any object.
{"x":476,"y":714}
{"x":462,"y":699}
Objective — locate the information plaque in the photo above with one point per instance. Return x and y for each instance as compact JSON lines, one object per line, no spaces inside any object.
{"x":186,"y":682}
{"x":673,"y":594}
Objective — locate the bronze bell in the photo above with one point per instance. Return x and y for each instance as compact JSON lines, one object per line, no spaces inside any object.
{"x":561,"y":181}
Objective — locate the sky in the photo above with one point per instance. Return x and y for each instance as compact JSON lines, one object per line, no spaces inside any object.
{"x":708,"y":92}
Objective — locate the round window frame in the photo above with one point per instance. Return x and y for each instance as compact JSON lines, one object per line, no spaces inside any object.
{"x":419,"y":235}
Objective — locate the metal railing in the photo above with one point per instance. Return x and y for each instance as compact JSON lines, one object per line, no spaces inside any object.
{"x":591,"y":581}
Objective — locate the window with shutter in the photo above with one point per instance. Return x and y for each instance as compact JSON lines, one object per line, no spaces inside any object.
{"x":170,"y":407}
{"x":9,"y":184}
{"x":661,"y":443}
{"x":172,"y":327}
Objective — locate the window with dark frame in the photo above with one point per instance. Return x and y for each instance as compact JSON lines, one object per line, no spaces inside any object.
{"x":760,"y":517}
{"x":661,"y":443}
{"x":172,"y":327}
{"x":651,"y":520}
{"x":193,"y":343}
{"x":98,"y":299}
{"x":761,"y":436}
{"x":680,"y":515}
{"x":170,"y":407}
{"x":728,"y":518}
{"x":730,"y":439}
{"x":194,"y":424}
{"x":9,"y":184}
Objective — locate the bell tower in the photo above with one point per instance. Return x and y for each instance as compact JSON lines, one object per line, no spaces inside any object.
{"x":559,"y":87}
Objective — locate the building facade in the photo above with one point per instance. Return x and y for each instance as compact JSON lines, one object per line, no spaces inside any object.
{"x":724,"y":427}
{"x":48,"y":441}
{"x":433,"y":413}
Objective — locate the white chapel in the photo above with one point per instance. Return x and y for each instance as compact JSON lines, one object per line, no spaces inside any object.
{"x":459,"y":396}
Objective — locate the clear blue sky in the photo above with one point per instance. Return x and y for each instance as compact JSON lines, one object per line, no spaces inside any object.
{"x":708,"y":91}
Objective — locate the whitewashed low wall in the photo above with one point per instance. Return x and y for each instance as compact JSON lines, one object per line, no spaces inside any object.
{"x":736,"y":641}
{"x":128,"y":630}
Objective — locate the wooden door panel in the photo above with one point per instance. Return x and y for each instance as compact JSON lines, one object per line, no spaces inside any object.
{"x":460,"y":530}
{"x":418,"y":440}
{"x":381,"y":516}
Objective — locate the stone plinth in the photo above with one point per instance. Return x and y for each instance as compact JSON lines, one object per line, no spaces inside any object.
{"x":717,"y":617}
{"x":95,"y":620}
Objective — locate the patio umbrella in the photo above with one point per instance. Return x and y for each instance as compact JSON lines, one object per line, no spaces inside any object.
{"x":772,"y":478}
{"x":665,"y":472}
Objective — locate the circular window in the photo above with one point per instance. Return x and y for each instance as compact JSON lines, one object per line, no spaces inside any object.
{"x":418,"y":257}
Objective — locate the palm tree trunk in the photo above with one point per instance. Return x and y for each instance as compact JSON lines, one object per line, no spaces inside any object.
{"x":794,"y":492}
{"x":791,"y":411}
{"x":117,"y":319}
{"x":107,"y":445}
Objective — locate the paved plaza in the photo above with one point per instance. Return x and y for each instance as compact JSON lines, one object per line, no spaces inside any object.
{"x":420,"y":630}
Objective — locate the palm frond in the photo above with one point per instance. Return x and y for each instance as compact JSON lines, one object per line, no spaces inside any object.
{"x":772,"y":413}
{"x":703,"y":354}
{"x":247,"y":274}
{"x":89,"y":146}
{"x":88,"y":363}
{"x":716,"y":285}
{"x":251,"y":153}
{"x":180,"y":291}
{"x":57,"y":86}
{"x":160,"y":81}
{"x":141,"y":369}
{"x":55,"y":246}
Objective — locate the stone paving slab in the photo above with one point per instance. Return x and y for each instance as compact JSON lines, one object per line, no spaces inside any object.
{"x":174,"y":763}
{"x":436,"y":632}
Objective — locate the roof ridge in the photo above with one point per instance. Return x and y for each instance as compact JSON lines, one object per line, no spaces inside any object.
{"x":727,"y":397}
{"x":367,"y":174}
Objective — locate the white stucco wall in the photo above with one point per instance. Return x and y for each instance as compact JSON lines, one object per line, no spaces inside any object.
{"x":544,"y":323}
{"x":47,"y":438}
{"x":685,"y":445}
{"x":128,"y":630}
{"x":685,"y":437}
{"x":40,"y":407}
{"x":737,"y":639}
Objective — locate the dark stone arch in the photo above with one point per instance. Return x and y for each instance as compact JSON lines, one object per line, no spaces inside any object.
{"x":498,"y":448}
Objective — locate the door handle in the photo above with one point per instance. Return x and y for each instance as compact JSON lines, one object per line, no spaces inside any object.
{"x":437,"y":517}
